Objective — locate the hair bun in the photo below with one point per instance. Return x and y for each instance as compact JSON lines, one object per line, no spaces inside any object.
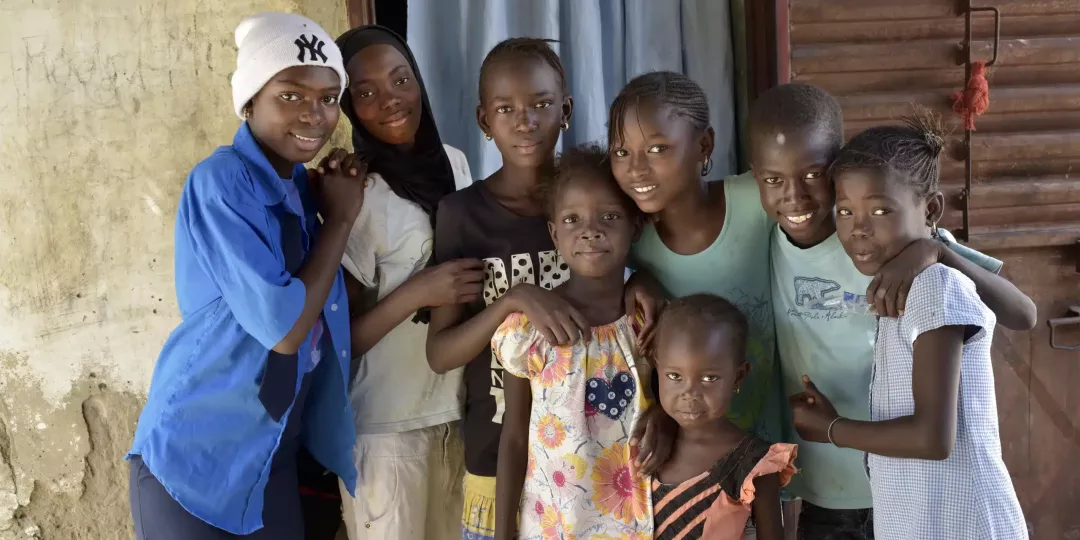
{"x":931,"y":126}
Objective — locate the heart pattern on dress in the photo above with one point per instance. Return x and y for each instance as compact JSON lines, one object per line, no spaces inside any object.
{"x":611,"y":399}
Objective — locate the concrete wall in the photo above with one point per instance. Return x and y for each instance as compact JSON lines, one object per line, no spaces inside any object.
{"x":106,"y":105}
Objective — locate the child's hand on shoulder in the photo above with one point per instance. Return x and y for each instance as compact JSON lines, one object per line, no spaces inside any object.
{"x":888,"y":291}
{"x":643,"y":296}
{"x":652,"y":441}
{"x":812,"y":413}
{"x":558,"y":321}
{"x":453,"y":282}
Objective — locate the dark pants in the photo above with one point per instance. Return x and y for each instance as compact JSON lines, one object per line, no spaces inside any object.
{"x":320,"y":498}
{"x":158,"y":516}
{"x":817,"y":523}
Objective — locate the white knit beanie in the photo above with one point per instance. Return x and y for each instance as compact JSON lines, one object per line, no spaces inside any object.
{"x":270,"y":43}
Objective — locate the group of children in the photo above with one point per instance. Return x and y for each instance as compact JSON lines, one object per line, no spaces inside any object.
{"x":740,"y":365}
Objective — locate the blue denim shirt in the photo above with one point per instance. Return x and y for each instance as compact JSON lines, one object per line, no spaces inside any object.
{"x":219,"y":398}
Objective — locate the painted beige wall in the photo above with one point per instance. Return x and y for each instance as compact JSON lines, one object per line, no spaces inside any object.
{"x":105,"y":106}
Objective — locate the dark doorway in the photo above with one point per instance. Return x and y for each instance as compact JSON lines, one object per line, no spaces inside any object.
{"x":393,"y":14}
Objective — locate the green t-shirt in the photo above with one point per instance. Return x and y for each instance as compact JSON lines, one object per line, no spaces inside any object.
{"x":736,"y":267}
{"x":835,"y":348}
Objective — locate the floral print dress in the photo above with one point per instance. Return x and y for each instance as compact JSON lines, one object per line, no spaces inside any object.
{"x":586,"y":400}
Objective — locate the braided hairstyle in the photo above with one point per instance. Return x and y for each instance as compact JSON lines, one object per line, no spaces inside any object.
{"x":796,"y":107}
{"x":520,"y":48}
{"x":674,"y":91}
{"x":908,"y":153}
{"x":588,"y":160}
{"x":704,"y":312}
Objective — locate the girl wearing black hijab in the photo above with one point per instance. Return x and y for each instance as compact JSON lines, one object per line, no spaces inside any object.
{"x":409,"y":455}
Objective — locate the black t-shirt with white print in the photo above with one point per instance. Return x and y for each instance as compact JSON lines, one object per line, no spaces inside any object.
{"x":471,"y":224}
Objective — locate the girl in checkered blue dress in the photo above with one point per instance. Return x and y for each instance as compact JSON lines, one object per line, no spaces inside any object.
{"x":934,"y":453}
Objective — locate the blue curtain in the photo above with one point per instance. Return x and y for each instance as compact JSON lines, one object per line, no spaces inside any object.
{"x":603,"y":44}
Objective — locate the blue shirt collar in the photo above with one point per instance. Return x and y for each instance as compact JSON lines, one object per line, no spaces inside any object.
{"x":267,"y":182}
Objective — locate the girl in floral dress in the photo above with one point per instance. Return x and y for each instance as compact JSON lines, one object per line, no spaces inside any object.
{"x":564,"y":461}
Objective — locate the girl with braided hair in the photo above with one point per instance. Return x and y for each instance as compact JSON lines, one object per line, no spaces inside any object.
{"x":704,"y":237}
{"x":934,"y":452}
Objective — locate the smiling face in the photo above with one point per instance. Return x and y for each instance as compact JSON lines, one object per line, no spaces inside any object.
{"x":522,"y":107}
{"x":385,"y":94}
{"x":699,"y":368}
{"x":294,"y":114}
{"x":876,"y":219}
{"x":658,"y":155}
{"x":592,"y":226}
{"x":790,"y":168}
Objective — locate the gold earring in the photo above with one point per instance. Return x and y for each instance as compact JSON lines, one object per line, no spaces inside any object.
{"x":706,"y":166}
{"x":933,"y":230}
{"x":247,"y":114}
{"x":565,"y":125}
{"x":487,"y":136}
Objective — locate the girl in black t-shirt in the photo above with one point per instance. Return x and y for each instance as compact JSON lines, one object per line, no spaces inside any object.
{"x":501,"y":220}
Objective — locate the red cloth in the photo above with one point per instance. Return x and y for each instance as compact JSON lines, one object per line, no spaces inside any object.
{"x":975,"y":98}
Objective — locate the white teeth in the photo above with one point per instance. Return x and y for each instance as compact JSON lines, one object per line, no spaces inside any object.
{"x":799,"y":219}
{"x":305,"y":139}
{"x":645,"y":189}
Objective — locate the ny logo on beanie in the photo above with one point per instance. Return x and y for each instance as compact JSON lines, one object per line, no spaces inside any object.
{"x":314,"y":48}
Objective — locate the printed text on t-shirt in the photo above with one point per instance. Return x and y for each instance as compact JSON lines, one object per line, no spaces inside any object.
{"x":551,"y":273}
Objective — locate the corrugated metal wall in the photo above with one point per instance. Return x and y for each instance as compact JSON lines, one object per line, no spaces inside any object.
{"x":879,"y":56}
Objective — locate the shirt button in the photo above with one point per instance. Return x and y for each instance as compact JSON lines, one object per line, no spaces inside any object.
{"x":333,"y":307}
{"x":344,"y":353}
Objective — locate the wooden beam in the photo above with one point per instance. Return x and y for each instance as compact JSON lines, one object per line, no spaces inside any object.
{"x":360,"y":12}
{"x":763,"y":57}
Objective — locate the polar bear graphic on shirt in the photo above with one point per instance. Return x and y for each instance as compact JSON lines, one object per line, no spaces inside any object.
{"x":811,"y":292}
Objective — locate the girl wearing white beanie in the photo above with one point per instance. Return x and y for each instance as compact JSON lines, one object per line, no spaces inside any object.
{"x":258,"y":369}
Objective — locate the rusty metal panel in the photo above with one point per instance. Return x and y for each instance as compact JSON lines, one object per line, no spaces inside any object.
{"x":1014,"y":182}
{"x":879,"y":57}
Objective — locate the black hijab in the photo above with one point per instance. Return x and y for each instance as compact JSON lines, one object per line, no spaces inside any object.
{"x":422,"y":176}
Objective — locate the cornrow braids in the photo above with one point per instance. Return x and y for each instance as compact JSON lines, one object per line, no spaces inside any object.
{"x":674,"y":91}
{"x":588,"y":160}
{"x":909,"y":153}
{"x":519,"y":48}
{"x":795,"y":107}
{"x":704,"y":312}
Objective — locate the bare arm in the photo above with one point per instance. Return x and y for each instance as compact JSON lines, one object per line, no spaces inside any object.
{"x":889,"y":289}
{"x":1012,"y":307}
{"x":340,"y":195}
{"x":513,"y":456}
{"x":451,"y":283}
{"x":643,"y":294}
{"x":370,"y":327}
{"x":768,"y":515}
{"x":317,"y":274}
{"x":453,"y":343}
{"x":931,"y":431}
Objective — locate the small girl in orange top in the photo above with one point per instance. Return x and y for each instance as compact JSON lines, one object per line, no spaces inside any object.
{"x":718,"y":474}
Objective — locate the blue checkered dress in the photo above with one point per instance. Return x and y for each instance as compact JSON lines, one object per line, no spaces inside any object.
{"x":969,"y":495}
